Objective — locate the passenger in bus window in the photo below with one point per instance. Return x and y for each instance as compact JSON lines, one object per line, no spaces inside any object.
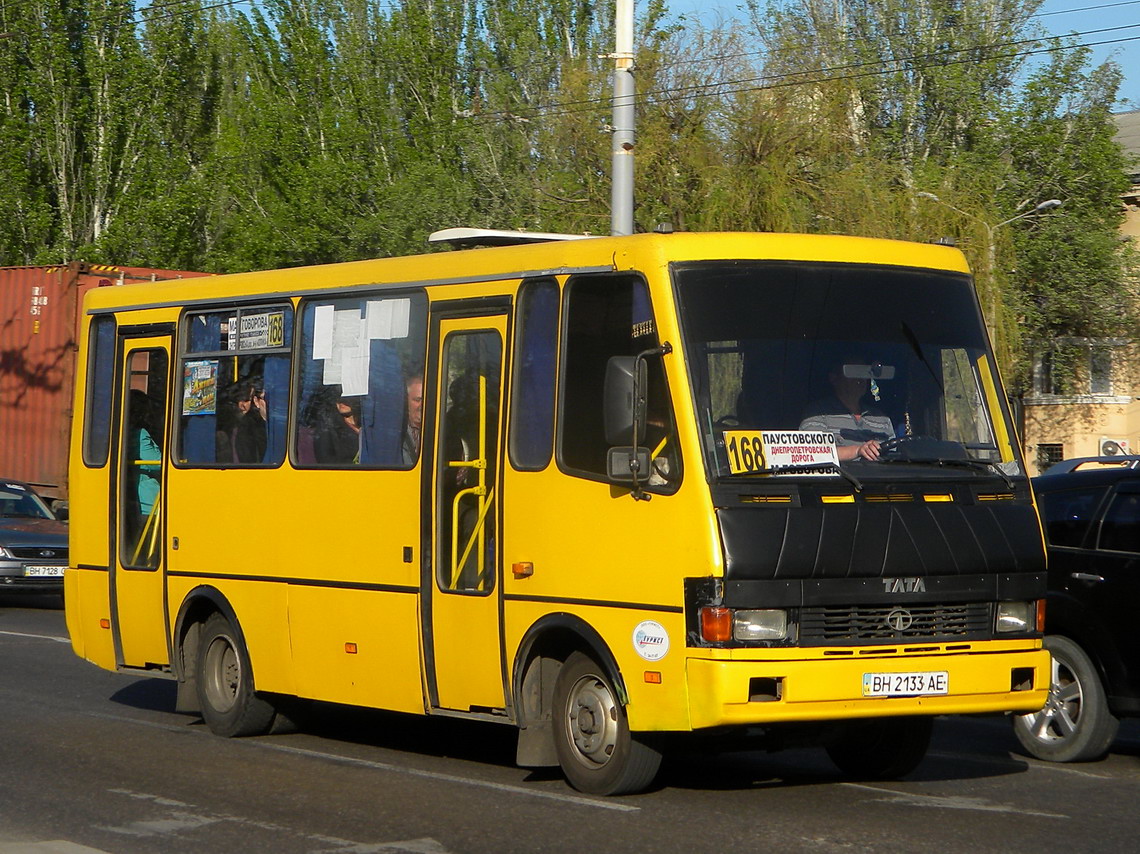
{"x":415,"y":417}
{"x":859,"y":428}
{"x":241,"y":437}
{"x":462,"y":426}
{"x":338,"y":437}
{"x":143,"y":449}
{"x":228,"y":415}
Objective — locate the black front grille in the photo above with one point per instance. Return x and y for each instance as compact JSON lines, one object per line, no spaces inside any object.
{"x":35,"y":553}
{"x":891,"y":624}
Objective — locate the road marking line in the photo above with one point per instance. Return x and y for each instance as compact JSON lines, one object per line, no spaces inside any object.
{"x":451,"y":778}
{"x":37,"y":637}
{"x":1041,"y":765}
{"x":386,"y":766}
{"x":949,"y":802}
{"x":175,"y":822}
{"x":52,"y":846}
{"x":423,"y":845}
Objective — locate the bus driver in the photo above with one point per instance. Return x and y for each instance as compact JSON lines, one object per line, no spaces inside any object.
{"x":859,"y":429}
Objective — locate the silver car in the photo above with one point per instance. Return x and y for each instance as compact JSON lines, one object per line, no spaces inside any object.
{"x":33,"y":542}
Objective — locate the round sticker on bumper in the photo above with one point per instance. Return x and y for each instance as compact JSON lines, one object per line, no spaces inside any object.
{"x":651,"y":640}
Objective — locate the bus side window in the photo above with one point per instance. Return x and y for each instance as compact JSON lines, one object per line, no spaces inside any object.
{"x":361,"y":375}
{"x":532,"y":397}
{"x":235,"y":386}
{"x":100,"y":382}
{"x":609,"y":316}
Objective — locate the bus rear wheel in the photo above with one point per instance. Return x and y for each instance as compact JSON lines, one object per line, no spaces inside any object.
{"x":881,"y":748}
{"x":596,"y":750}
{"x":230,"y":706}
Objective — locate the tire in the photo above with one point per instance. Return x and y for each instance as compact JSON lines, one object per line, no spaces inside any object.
{"x":881,"y":748}
{"x":1075,"y":724}
{"x":230,"y":707}
{"x":597,"y":753}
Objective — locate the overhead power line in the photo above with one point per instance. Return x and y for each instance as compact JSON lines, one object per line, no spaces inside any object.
{"x":849,"y":71}
{"x":808,"y":76}
{"x":939,"y":28}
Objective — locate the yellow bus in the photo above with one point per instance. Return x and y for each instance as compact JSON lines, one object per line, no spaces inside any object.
{"x":603,"y":490}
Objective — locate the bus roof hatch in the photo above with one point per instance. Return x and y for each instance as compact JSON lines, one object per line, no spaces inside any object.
{"x":462,"y":238}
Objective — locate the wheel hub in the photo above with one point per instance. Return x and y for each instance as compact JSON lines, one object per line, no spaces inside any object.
{"x":1058,"y":718}
{"x":593,"y":721}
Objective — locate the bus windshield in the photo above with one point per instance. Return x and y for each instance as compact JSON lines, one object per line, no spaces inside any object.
{"x":791,"y":364}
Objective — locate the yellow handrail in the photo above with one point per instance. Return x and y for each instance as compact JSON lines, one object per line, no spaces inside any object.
{"x":478,"y":533}
{"x":150,"y":529}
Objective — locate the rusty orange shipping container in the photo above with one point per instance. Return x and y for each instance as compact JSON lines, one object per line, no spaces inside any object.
{"x":39,"y":321}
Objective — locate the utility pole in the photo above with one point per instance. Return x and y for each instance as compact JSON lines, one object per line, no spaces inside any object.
{"x":621,"y":199}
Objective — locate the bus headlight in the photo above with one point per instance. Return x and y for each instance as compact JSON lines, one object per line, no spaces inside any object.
{"x":1019,"y":617}
{"x":759,"y":625}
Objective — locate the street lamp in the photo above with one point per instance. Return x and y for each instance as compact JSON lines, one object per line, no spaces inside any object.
{"x":991,"y":245}
{"x":1047,"y":205}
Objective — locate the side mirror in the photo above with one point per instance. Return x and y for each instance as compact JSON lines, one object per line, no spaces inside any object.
{"x":624,"y":404}
{"x":628,"y":465}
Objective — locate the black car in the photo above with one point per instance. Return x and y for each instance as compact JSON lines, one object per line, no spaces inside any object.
{"x":1090,"y":509}
{"x":33,"y":542}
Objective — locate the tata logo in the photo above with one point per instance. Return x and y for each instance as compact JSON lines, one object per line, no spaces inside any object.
{"x":899,"y":620}
{"x":904,"y":585}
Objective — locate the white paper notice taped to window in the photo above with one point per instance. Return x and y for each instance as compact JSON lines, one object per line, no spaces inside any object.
{"x":387,"y":319}
{"x":341,"y":339}
{"x":323,"y":318}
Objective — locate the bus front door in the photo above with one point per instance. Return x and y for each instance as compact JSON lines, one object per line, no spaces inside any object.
{"x":137,"y":576}
{"x":462,"y":645}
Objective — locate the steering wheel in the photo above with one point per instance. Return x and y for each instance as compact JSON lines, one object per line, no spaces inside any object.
{"x":897,"y":443}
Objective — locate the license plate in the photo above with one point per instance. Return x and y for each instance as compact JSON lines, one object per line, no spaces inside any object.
{"x":43,"y":571}
{"x":906,"y":684}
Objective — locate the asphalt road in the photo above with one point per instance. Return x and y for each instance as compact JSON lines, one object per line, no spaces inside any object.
{"x":92,"y":761}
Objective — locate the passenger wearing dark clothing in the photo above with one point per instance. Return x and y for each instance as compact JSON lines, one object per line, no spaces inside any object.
{"x":338,"y":439}
{"x":243,"y":437}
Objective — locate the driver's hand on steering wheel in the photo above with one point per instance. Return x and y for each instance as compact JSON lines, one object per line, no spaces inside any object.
{"x":869,"y":450}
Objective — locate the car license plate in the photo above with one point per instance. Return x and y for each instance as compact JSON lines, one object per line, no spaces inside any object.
{"x":43,"y":571}
{"x":906,"y":684}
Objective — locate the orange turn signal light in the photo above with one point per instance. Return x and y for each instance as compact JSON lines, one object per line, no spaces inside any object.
{"x":104,"y":623}
{"x":1041,"y":616}
{"x":350,"y":648}
{"x":716,"y":623}
{"x":653,"y":677}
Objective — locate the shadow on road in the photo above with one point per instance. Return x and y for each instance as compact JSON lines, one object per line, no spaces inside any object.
{"x":473,"y":741}
{"x":39,"y":601}
{"x":961,"y":749}
{"x":150,"y":694}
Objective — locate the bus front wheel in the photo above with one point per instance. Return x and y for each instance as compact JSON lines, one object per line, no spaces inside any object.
{"x":230,"y":706}
{"x":595,"y":748}
{"x":880,"y":748}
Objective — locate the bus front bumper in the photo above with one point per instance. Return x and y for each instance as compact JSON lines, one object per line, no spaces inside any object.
{"x":736,"y":692}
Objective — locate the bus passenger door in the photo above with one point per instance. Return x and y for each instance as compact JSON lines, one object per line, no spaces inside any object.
{"x":138,"y":602}
{"x":462,"y":619}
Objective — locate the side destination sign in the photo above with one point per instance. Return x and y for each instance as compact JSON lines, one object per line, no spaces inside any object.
{"x":757,"y":451}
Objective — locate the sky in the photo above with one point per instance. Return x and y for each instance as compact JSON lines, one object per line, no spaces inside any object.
{"x":1118,"y":23}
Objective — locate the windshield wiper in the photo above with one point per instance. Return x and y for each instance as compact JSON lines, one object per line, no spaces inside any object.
{"x":992,"y":467}
{"x":832,"y":468}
